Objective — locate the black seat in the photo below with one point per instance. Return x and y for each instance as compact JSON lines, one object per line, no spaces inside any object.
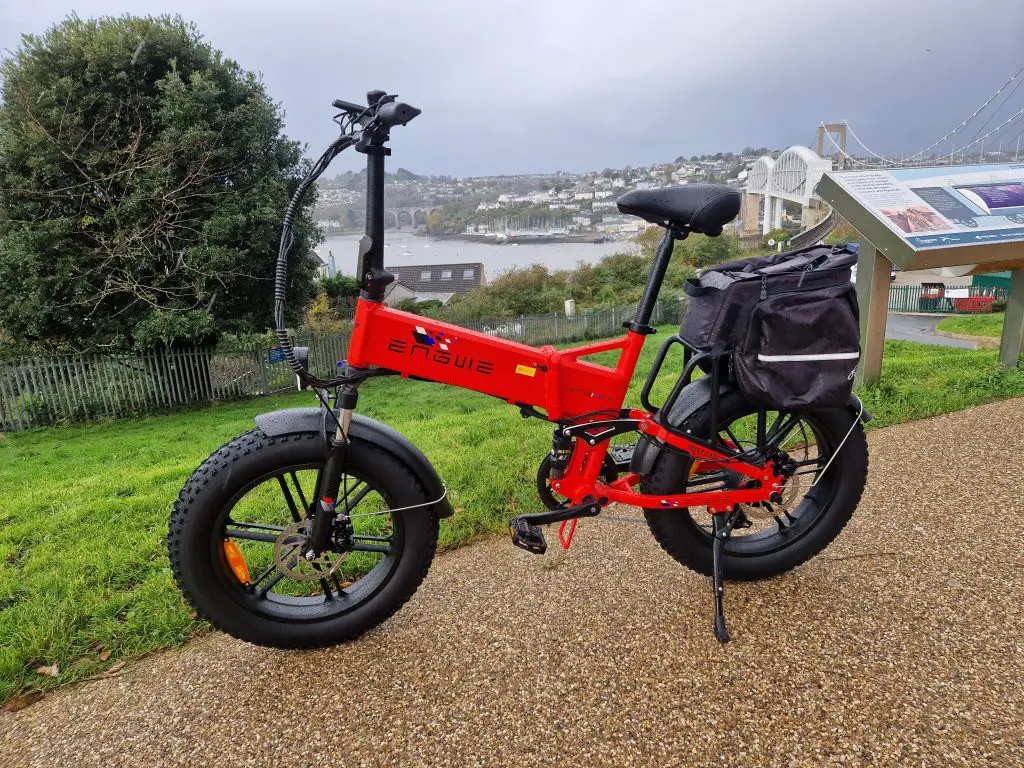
{"x":704,"y":208}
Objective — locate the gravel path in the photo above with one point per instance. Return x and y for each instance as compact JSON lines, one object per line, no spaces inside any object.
{"x":900,"y":645}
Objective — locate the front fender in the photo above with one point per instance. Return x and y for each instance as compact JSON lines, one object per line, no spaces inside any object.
{"x":293,"y":420}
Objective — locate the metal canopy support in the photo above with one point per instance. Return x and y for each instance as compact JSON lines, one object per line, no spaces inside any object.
{"x":1013,"y":322}
{"x":873,"y":298}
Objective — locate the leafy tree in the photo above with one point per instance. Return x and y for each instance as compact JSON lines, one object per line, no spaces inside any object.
{"x":779,"y":235}
{"x":341,"y":291}
{"x":142,"y":177}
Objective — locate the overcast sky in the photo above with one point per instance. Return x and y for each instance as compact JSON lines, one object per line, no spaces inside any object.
{"x":542,"y":85}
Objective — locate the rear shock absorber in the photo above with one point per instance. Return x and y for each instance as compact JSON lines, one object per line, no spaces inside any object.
{"x":561,"y":450}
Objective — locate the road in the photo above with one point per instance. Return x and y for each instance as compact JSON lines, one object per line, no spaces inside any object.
{"x":899,"y":645}
{"x":921,"y":328}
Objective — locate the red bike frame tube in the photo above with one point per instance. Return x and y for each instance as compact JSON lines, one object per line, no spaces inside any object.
{"x":557,"y":381}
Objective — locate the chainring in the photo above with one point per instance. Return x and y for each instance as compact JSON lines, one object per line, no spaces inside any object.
{"x":290,"y":559}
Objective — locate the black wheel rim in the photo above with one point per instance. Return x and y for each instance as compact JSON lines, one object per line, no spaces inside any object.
{"x":782,"y":528}
{"x":377,"y":545}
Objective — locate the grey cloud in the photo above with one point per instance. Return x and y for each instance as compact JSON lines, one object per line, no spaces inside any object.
{"x":582,"y":84}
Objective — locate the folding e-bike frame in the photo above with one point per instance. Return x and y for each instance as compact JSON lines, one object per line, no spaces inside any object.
{"x":584,"y":398}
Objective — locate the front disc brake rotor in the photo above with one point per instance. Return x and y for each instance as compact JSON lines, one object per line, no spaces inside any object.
{"x":290,"y":555}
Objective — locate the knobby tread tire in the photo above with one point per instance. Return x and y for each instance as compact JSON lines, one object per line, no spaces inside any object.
{"x":694,"y":551}
{"x":225,"y":469}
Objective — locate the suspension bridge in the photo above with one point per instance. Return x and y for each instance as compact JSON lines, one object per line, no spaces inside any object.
{"x":793,"y":175}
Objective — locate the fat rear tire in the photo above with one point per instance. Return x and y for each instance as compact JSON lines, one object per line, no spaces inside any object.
{"x":688,"y":543}
{"x":242,"y":462}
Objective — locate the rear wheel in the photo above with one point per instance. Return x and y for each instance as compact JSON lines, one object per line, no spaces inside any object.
{"x":776,"y":537}
{"x":239,"y":528}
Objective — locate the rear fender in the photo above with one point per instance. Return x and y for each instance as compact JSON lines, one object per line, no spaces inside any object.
{"x":293,"y":420}
{"x":692,"y":398}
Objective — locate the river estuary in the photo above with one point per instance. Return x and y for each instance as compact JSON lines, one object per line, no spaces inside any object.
{"x":405,"y":248}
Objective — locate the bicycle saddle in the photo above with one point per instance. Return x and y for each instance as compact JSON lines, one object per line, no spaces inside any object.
{"x":703,"y":208}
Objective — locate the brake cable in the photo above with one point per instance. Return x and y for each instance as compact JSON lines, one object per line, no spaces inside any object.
{"x":281,"y":270}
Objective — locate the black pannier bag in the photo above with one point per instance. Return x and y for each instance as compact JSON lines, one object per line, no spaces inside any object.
{"x":789,"y":323}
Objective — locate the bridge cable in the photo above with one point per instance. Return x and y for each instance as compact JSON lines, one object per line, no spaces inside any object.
{"x":865,"y":146}
{"x":1006,"y":122}
{"x":971,"y":116}
{"x":848,"y":156}
{"x":996,"y":111}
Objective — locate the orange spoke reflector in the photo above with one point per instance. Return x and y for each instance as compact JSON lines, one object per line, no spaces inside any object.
{"x":237,"y":561}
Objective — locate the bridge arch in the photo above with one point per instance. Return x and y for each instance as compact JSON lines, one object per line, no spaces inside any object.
{"x":796,"y":173}
{"x":760,"y":173}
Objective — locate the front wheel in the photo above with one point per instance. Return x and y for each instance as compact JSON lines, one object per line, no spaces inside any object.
{"x":238,"y":529}
{"x":816,"y":502}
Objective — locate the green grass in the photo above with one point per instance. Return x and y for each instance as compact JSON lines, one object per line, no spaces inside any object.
{"x":973,"y":325}
{"x":83,"y":518}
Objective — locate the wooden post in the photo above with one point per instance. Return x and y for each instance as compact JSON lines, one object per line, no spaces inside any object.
{"x":1013,"y":322}
{"x":873,"y":298}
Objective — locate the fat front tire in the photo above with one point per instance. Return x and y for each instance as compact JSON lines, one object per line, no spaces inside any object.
{"x":788,"y":539}
{"x":244,"y":474}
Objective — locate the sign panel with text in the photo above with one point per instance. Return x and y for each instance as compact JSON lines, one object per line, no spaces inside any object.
{"x":943,"y":207}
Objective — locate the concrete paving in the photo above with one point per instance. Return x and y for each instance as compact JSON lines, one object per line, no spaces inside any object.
{"x":921,"y":328}
{"x":899,"y":645}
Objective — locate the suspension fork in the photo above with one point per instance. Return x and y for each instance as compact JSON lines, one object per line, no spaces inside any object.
{"x":329,"y":483}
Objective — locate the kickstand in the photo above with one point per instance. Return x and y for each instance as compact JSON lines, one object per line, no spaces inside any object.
{"x":722,"y":525}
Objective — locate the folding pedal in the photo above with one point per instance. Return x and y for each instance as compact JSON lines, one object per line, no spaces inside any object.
{"x":527,"y":536}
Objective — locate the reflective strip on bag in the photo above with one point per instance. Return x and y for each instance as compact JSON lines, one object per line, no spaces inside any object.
{"x":808,"y":358}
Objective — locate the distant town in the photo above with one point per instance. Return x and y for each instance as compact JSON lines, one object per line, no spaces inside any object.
{"x":533,"y":207}
{"x":560,"y":206}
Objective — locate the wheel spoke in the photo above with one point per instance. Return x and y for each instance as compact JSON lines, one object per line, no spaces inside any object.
{"x":262,"y":592}
{"x":735,"y":440}
{"x":288,"y":498}
{"x":359,"y":547}
{"x":780,"y":435}
{"x":257,"y":526}
{"x":262,"y":576}
{"x":250,"y":535}
{"x":302,"y":496}
{"x":354,"y":502}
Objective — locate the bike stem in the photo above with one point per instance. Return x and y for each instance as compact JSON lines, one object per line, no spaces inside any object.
{"x":372,"y":277}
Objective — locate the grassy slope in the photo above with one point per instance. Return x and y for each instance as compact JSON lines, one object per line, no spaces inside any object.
{"x":83,"y":519}
{"x":973,"y":325}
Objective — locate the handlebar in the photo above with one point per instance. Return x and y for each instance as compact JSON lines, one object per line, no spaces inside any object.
{"x":384,"y":111}
{"x":348,"y":106}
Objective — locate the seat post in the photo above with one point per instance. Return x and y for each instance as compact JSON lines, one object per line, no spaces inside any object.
{"x":644,"y":310}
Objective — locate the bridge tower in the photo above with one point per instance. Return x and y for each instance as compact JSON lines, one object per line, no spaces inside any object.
{"x":833,"y":129}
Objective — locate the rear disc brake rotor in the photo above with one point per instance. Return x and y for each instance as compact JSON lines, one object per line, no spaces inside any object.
{"x":290,"y":555}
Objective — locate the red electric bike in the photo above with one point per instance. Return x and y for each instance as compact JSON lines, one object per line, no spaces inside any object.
{"x":320,"y":523}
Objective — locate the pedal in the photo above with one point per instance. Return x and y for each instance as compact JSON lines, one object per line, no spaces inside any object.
{"x":527,"y":536}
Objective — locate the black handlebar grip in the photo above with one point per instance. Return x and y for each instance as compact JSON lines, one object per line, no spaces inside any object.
{"x":347,"y":106}
{"x":396,"y":113}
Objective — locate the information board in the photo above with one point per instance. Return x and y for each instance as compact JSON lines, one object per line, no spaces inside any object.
{"x":943,"y":207}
